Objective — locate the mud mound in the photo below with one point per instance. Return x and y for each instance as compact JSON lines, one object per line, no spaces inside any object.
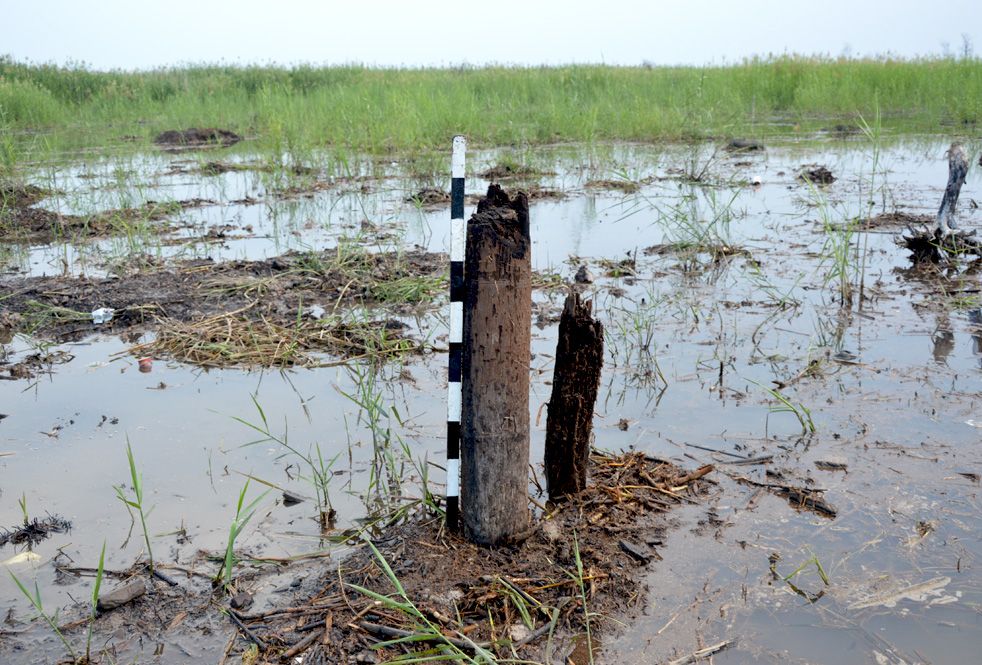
{"x":429,"y":196}
{"x":744,"y":145}
{"x":895,"y":218}
{"x":819,"y":175}
{"x":39,"y":225}
{"x":417,"y":589}
{"x":196,"y":136}
{"x":526,"y":596}
{"x":500,"y":171}
{"x":14,"y":195}
{"x":626,"y":186}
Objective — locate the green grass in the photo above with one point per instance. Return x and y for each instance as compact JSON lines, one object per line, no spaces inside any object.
{"x":291,"y":110}
{"x":243,"y":513}
{"x":50,"y":619}
{"x":136,"y":502}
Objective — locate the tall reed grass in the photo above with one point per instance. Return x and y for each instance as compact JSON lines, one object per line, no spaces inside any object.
{"x":379,"y":110}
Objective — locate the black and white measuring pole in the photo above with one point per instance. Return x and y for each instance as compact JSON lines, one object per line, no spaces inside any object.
{"x":457,"y":242}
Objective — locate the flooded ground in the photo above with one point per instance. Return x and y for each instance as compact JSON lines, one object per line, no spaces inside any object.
{"x":727,"y":342}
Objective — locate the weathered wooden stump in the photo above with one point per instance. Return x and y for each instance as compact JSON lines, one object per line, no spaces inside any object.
{"x":576,"y":378}
{"x":945,"y":240}
{"x":496,"y":354}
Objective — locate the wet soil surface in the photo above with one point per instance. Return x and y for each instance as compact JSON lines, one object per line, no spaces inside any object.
{"x":852,"y":541}
{"x":531,"y":598}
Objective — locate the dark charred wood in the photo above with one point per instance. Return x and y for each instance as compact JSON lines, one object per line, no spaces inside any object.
{"x":576,"y":378}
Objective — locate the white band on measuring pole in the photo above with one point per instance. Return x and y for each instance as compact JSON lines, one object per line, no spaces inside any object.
{"x":453,"y":402}
{"x":456,"y":322}
{"x":453,"y":477}
{"x":458,"y":237}
{"x":457,"y":159}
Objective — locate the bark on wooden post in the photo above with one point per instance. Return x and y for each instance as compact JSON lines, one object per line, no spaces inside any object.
{"x":576,"y":378}
{"x":496,"y":355}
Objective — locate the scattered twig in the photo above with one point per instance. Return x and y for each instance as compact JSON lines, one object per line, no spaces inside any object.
{"x":702,"y":654}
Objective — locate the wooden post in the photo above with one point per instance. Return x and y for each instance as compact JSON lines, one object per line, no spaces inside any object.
{"x":496,"y":355}
{"x":575,"y":380}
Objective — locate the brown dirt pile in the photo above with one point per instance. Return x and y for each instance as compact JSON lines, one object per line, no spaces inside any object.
{"x":197,"y":137}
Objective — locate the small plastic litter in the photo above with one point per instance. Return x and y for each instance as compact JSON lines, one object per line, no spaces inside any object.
{"x":102,"y":315}
{"x":315,"y":312}
{"x":146,"y":365}
{"x":23,"y":557}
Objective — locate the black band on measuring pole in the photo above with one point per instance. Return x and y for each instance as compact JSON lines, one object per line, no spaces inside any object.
{"x":456,"y":281}
{"x":457,"y":198}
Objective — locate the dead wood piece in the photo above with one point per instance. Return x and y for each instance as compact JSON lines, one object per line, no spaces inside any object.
{"x":945,"y":239}
{"x":576,"y":379}
{"x":259,"y":642}
{"x":164,"y":578}
{"x":798,"y":497}
{"x":121,"y":595}
{"x":802,"y":498}
{"x":753,"y":461}
{"x":301,"y":646}
{"x":496,"y":354}
{"x":695,"y":475}
{"x":635,"y":551}
{"x":702,"y":654}
{"x":398,"y":633}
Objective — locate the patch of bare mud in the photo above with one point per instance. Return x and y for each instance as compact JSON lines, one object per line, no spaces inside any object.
{"x":532,"y":191}
{"x":30,"y":224}
{"x":897,"y":219}
{"x":236,"y":313}
{"x":626,"y":186}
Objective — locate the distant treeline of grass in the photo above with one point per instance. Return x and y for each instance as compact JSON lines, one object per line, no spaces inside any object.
{"x":379,"y":110}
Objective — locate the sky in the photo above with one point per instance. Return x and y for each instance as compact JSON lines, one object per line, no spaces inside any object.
{"x":132,"y":34}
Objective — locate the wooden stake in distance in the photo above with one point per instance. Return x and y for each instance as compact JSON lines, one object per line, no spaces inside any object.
{"x":575,"y":380}
{"x":496,"y":355}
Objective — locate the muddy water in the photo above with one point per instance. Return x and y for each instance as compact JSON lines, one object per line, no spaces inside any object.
{"x":691,"y":344}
